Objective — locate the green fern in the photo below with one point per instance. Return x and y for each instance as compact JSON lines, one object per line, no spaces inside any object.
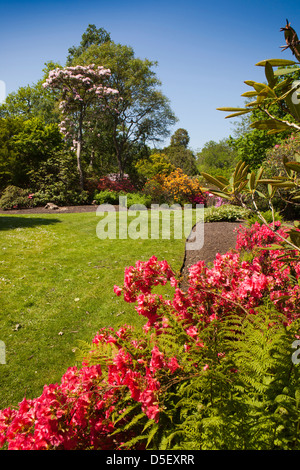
{"x":246,"y":399}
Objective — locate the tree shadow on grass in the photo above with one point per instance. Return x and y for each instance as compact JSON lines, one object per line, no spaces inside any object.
{"x":13,"y":222}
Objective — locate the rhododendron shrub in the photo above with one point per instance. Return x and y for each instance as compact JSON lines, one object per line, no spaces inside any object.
{"x":130,"y":380}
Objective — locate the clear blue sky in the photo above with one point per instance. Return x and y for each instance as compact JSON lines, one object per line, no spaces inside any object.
{"x":204,"y":49}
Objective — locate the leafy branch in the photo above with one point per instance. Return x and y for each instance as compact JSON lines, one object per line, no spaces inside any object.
{"x":281,"y":89}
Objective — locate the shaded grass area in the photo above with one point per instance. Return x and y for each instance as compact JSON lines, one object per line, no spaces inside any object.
{"x":56,"y":288}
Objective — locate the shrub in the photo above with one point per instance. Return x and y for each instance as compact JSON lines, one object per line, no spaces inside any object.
{"x":225,"y":213}
{"x":154,"y":189}
{"x":113,"y":197}
{"x":138,"y":199}
{"x":107,"y":197}
{"x":58,"y":194}
{"x":113,"y":183}
{"x":14,"y":197}
{"x":176,"y":187}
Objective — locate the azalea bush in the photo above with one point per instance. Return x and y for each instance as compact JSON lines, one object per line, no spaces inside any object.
{"x":176,"y":187}
{"x":138,"y":390}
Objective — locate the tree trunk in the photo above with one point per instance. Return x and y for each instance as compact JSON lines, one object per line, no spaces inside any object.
{"x":92,"y":158}
{"x":79,"y":147}
{"x":81,"y":180}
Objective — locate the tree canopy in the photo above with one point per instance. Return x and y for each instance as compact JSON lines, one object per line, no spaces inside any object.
{"x":143,"y":114}
{"x":217,"y":158}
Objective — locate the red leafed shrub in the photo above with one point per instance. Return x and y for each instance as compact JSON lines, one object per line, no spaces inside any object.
{"x":115,"y":184}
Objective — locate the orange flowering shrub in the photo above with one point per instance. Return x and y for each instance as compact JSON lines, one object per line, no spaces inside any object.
{"x":176,"y":187}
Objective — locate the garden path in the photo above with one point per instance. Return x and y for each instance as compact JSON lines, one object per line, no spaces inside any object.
{"x":219,"y":237}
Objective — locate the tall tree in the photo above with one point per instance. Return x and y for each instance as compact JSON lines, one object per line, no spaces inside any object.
{"x":84,"y":100}
{"x":92,"y":36}
{"x":179,"y":154}
{"x":143,"y":112}
{"x":180,"y":137}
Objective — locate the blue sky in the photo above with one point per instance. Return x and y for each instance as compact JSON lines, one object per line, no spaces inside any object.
{"x":204,"y":49}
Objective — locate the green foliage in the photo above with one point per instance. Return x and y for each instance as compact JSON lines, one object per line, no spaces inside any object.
{"x":56,"y":180}
{"x":267,"y":215}
{"x":248,"y":398}
{"x":155,"y":164}
{"x":92,"y":36}
{"x":225,"y":213}
{"x":178,"y":153}
{"x":182,"y":158}
{"x":144,"y":113}
{"x":58,"y":194}
{"x":217,"y":158}
{"x":180,"y":138}
{"x":113,"y":197}
{"x":138,"y":199}
{"x":251,"y":146}
{"x":107,"y":197}
{"x":15,"y":198}
{"x":24,"y":146}
{"x":31,"y":102}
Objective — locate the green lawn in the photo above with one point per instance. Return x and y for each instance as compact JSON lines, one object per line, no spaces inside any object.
{"x":56,"y":287}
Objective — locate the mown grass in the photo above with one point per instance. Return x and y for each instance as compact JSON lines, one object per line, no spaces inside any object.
{"x":56,"y":287}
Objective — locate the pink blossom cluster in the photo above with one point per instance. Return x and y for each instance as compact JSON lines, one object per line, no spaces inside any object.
{"x":80,"y":88}
{"x":213,"y":292}
{"x":79,"y":412}
{"x":65,"y":416}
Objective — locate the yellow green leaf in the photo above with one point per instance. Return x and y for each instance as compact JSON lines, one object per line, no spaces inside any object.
{"x":231,"y":109}
{"x":276,"y":62}
{"x":214,"y":180}
{"x":295,"y":166}
{"x":249,"y":94}
{"x":285,"y":71}
{"x":238,"y":114}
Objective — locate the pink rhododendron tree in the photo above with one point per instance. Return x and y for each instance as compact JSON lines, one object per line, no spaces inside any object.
{"x":85,"y":96}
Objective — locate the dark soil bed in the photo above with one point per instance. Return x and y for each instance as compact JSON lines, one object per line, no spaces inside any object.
{"x":42,"y":210}
{"x":219,"y":237}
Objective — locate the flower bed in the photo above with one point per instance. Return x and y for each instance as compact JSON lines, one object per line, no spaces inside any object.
{"x":130,"y":383}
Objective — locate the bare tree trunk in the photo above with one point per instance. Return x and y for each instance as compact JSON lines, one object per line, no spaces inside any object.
{"x":81,"y":180}
{"x":92,"y":158}
{"x":79,"y":147}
